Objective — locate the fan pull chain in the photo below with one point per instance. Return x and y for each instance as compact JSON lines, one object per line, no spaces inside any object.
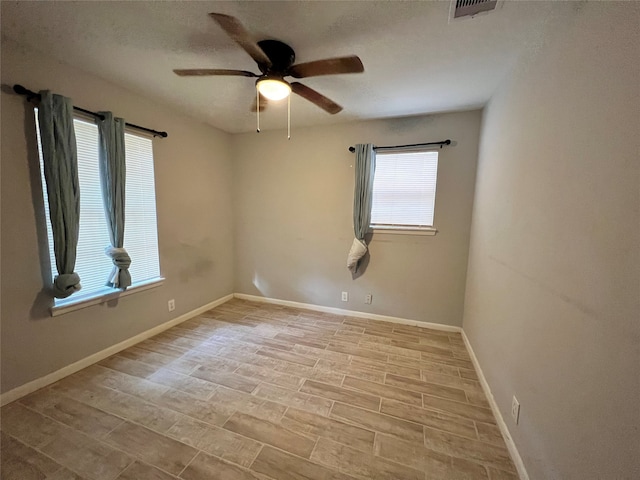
{"x":257,"y":110}
{"x":289,"y":117}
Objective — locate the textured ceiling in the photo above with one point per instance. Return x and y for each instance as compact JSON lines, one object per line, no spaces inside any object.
{"x":416,"y":61}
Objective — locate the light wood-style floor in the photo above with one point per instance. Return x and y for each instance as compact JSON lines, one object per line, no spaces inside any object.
{"x":255,"y":391}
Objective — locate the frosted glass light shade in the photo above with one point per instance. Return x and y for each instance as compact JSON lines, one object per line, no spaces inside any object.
{"x":274,"y":89}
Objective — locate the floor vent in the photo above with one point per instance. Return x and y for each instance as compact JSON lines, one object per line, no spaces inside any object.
{"x":469,"y":8}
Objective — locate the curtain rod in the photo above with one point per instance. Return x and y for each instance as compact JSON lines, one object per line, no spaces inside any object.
{"x":20,"y":90}
{"x":442,"y":143}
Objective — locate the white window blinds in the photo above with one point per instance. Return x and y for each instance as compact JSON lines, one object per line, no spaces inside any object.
{"x":141,"y":238}
{"x":404,"y":189}
{"x":141,"y":228}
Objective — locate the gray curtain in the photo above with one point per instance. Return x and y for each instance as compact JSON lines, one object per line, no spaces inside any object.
{"x":112,"y":178}
{"x":60,"y":159}
{"x":362,"y":198}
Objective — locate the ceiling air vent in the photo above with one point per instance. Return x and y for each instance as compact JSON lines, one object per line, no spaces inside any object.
{"x":469,"y":8}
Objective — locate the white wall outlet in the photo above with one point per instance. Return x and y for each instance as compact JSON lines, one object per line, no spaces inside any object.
{"x":345,"y":296}
{"x":367,"y":299}
{"x":171,"y":305}
{"x":515,"y":409}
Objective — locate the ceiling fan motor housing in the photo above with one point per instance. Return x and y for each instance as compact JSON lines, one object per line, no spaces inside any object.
{"x":281,"y":55}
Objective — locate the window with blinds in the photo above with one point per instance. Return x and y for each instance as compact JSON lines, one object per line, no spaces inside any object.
{"x":140,"y":233}
{"x":404,"y":190}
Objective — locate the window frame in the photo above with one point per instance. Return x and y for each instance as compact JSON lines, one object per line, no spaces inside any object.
{"x":79,"y":301}
{"x":416,"y":230}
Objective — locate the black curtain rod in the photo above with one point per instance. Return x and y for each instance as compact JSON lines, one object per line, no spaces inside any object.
{"x":20,"y":90}
{"x":442,"y":143}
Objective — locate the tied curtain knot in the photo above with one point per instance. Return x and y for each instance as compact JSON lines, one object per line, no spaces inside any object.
{"x":66,"y":284}
{"x":120,"y":276}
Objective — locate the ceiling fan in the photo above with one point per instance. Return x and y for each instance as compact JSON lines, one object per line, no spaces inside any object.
{"x":275,"y":60}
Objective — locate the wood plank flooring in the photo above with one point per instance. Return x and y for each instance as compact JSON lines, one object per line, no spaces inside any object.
{"x":264,"y":392}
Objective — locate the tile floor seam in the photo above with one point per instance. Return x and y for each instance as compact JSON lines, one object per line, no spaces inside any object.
{"x":475,"y":426}
{"x":487,"y":409}
{"x":205,"y":452}
{"x":179,"y":475}
{"x":135,"y":456}
{"x":148,"y":400}
{"x":489,"y":476}
{"x":52,"y":473}
{"x":383,"y":414}
{"x":106,"y":434}
{"x":123,"y":470}
{"x":213,"y":392}
{"x":311,"y":454}
{"x":132,"y":421}
{"x":284,"y":414}
{"x":262,"y":445}
{"x":386,"y":459}
{"x":371,"y":452}
{"x":426,"y":384}
{"x":424,"y":427}
{"x":450,"y":457}
{"x":37,"y":449}
{"x":101,"y":441}
{"x":45,"y":415}
{"x":479,"y":462}
{"x":123,"y":419}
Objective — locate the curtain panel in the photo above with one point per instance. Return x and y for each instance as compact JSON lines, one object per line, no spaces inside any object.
{"x":362,"y":199}
{"x":112,"y":162}
{"x":60,"y":159}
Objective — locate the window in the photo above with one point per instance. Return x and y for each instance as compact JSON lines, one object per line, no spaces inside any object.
{"x":404,"y":191}
{"x":140,"y":234}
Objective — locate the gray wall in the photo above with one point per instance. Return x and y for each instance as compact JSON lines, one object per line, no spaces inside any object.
{"x":553,"y":285}
{"x":193,"y":177}
{"x":293,"y":203}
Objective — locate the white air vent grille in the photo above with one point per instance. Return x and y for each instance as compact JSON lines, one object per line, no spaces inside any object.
{"x":464,"y":8}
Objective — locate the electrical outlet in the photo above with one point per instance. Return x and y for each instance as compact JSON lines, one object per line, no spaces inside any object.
{"x":515,"y":409}
{"x":345,"y":296}
{"x":171,"y":304}
{"x":367,"y":299}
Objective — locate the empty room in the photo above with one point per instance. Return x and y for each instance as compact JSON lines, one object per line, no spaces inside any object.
{"x":320,"y":240}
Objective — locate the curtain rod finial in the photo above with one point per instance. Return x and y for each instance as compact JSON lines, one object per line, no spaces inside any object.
{"x":20,"y":90}
{"x":352,"y":149}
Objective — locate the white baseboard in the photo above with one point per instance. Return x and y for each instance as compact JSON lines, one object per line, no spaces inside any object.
{"x":511,"y":446}
{"x":52,"y":377}
{"x":351,"y":313}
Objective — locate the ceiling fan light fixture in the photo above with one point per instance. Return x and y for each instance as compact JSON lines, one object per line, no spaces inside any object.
{"x":273,"y":89}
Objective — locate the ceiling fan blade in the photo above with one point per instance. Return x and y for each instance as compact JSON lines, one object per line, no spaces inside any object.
{"x":264,"y":103}
{"x":201,"y":72}
{"x":328,"y":66}
{"x":316,"y":98}
{"x":242,"y":37}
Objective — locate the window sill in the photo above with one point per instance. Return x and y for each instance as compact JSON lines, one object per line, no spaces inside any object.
{"x":404,"y":231}
{"x":109,"y":294}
